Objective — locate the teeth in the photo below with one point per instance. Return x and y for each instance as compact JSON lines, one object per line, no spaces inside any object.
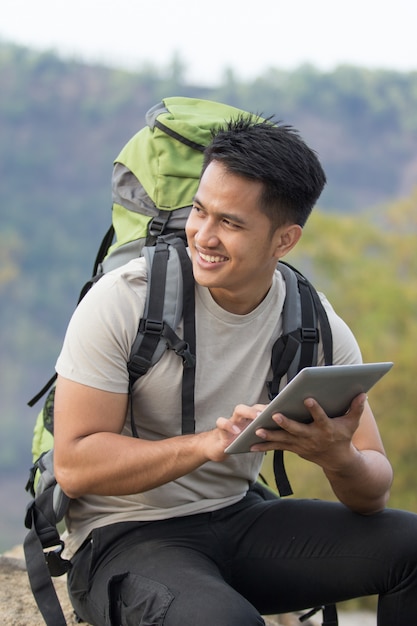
{"x":212,"y":259}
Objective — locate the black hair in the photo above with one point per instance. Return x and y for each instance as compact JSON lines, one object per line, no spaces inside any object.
{"x":274,"y":154}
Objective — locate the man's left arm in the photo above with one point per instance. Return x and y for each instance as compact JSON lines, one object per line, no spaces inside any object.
{"x":349,"y":449}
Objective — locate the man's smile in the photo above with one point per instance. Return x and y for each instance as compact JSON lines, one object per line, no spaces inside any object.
{"x":211,"y":258}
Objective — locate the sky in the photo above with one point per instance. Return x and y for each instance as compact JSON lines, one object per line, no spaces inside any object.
{"x":208,"y":37}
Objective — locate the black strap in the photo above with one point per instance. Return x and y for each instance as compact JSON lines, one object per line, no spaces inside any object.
{"x":303,"y":340}
{"x":41,"y":521}
{"x":43,"y":391}
{"x":188,"y":312}
{"x":151,"y":327}
{"x":309,"y":334}
{"x":103,"y":249}
{"x":188,"y":142}
{"x":280,"y":474}
{"x":283,"y":354}
{"x":329,"y":612}
{"x":330,"y":615}
{"x":324,"y":325}
{"x":325,"y":330}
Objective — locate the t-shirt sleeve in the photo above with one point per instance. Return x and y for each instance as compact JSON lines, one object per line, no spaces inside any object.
{"x":345,"y":346}
{"x":100,"y":334}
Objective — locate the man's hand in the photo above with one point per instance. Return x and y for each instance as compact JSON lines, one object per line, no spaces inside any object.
{"x":227,"y":429}
{"x":325,"y":441}
{"x":348,"y":449}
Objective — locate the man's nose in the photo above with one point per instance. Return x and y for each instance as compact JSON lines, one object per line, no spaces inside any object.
{"x":207,"y":234}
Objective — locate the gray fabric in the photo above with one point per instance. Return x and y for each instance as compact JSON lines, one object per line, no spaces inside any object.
{"x":129,"y":192}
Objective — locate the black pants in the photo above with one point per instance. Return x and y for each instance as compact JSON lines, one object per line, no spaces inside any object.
{"x":256,"y":557}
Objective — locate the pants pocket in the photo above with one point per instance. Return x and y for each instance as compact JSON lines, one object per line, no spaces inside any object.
{"x":137,"y":601}
{"x":80,"y":573}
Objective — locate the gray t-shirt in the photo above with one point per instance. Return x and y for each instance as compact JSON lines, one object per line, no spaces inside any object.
{"x":233,"y":363}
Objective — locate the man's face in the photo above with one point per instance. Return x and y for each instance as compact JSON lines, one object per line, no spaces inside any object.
{"x":233,"y":251}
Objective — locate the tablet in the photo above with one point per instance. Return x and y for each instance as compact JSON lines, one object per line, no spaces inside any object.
{"x":333,"y":386}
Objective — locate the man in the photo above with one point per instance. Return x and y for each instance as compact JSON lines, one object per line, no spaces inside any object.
{"x":164,"y":528}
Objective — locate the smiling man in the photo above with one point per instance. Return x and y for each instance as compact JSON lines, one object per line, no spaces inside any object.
{"x":166,"y":528}
{"x":233,"y":248}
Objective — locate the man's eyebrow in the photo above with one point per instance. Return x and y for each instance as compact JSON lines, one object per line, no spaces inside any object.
{"x":229,"y":216}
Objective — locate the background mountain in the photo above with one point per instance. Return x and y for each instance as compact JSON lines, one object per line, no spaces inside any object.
{"x":62,"y":123}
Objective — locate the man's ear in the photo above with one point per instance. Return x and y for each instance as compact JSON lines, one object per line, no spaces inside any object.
{"x":286,"y":238}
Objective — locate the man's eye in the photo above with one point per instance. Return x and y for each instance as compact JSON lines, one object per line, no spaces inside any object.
{"x":230,"y":224}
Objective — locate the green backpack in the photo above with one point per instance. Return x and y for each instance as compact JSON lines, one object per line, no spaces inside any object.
{"x":155,"y":178}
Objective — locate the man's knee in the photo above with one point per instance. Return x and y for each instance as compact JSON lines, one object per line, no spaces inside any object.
{"x":209,"y":609}
{"x":134,"y":599}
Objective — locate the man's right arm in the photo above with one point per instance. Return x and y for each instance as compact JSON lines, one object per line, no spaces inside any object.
{"x":92,"y":457}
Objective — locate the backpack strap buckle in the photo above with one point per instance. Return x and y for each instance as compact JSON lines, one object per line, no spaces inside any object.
{"x":150,"y":330}
{"x":138,"y":366}
{"x":183,"y":350}
{"x":309,"y":335}
{"x":158,"y":223}
{"x":56,"y":564}
{"x":151,"y":327}
{"x":30,"y":485}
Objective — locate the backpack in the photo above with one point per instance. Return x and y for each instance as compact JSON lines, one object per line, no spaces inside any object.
{"x":154,"y":180}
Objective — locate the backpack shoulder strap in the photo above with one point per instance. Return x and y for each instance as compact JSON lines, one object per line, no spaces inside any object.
{"x":304,"y":325}
{"x":170,"y":297}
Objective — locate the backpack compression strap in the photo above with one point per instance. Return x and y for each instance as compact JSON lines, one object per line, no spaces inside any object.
{"x":44,"y":511}
{"x":43,"y":532}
